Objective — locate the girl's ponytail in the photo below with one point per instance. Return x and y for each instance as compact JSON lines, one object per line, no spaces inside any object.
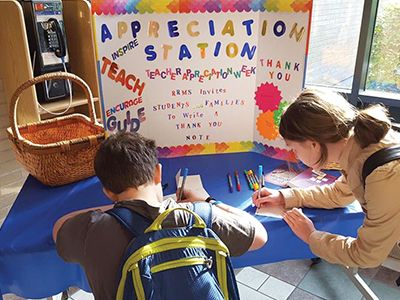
{"x":371,"y":125}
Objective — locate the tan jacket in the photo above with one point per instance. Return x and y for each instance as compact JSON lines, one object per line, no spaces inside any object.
{"x":380,"y":201}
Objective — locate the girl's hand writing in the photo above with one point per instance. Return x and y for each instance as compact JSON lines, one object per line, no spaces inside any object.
{"x":268,"y":196}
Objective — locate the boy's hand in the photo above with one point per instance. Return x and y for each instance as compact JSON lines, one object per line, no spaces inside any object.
{"x":268,"y":197}
{"x":189,"y":195}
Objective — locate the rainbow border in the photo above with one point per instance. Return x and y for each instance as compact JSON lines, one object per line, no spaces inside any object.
{"x":117,"y":7}
{"x":230,"y":147}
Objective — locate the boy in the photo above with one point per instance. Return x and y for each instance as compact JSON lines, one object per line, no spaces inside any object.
{"x":127,"y":166}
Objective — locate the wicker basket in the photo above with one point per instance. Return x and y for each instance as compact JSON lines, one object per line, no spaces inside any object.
{"x":60,"y":150}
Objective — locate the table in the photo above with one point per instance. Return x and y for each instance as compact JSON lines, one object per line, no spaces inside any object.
{"x":30,"y":267}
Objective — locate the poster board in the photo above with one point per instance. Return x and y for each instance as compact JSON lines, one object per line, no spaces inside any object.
{"x":201,"y":76}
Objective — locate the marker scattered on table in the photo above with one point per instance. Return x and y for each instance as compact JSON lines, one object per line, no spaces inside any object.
{"x":230,"y":182}
{"x":237,"y":180}
{"x":248,"y":179}
{"x":253,"y":179}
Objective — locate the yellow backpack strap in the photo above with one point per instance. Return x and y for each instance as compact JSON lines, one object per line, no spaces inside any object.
{"x":157,"y":224}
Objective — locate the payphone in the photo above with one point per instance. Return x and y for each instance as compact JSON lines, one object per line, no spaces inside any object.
{"x":47,"y":46}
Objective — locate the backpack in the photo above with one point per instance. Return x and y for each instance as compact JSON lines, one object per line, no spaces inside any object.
{"x":175,"y":263}
{"x":379,"y":158}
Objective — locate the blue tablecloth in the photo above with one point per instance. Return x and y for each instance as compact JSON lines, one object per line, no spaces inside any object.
{"x":30,"y":267}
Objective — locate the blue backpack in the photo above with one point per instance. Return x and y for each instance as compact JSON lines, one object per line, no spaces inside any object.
{"x":176,"y":263}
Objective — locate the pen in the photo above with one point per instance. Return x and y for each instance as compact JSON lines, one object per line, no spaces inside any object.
{"x":230,"y":183}
{"x":248,"y":179}
{"x":237,"y":180}
{"x":260,"y":180}
{"x":185,"y":173}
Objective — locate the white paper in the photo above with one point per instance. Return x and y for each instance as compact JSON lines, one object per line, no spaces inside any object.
{"x":170,"y":196}
{"x":274,"y":211}
{"x":167,"y":199}
{"x":193,"y":182}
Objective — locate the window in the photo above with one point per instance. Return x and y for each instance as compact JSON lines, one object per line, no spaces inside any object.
{"x":384,"y":62}
{"x":355,"y":49}
{"x":335,"y":31}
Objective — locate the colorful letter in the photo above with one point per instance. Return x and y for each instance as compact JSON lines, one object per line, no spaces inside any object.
{"x":228,"y":28}
{"x":105,"y":33}
{"x":184,"y":52}
{"x":189,"y":28}
{"x":135,"y":25}
{"x":151,"y":54}
{"x":153,"y":29}
{"x":173,"y":28}
{"x":122,"y":28}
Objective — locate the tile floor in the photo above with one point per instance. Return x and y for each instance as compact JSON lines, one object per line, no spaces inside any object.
{"x":298,"y":280}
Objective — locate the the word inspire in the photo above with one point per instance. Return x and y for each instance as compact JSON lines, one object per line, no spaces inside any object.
{"x":125,"y":49}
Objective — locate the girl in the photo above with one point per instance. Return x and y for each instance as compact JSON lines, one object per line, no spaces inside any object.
{"x":324,"y":128}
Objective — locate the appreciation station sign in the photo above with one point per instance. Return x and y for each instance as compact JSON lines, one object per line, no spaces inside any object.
{"x":201,"y":76}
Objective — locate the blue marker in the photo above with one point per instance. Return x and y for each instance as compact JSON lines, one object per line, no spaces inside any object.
{"x":185,"y":173}
{"x":260,"y":179}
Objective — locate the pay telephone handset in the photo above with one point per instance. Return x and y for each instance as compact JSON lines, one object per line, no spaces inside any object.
{"x":47,"y":44}
{"x":54,"y":37}
{"x":50,"y":33}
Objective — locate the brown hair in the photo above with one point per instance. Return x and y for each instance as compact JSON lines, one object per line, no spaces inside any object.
{"x":326,"y":117}
{"x":125,"y":160}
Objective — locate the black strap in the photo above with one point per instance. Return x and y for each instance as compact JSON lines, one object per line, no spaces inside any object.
{"x":379,"y":158}
{"x":129,"y":219}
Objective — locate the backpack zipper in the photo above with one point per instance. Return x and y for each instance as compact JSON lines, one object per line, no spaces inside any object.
{"x":183,"y":262}
{"x":169,"y":244}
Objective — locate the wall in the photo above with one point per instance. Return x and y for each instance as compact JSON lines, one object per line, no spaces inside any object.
{"x":12,"y":176}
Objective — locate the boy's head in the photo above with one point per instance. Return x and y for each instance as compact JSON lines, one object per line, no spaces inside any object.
{"x":125,"y":160}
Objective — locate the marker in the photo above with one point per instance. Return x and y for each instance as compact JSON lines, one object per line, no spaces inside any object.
{"x":237,"y":181}
{"x":230,"y":183}
{"x":185,"y":173}
{"x":253,"y":179}
{"x":260,"y":179}
{"x":248,"y":179}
